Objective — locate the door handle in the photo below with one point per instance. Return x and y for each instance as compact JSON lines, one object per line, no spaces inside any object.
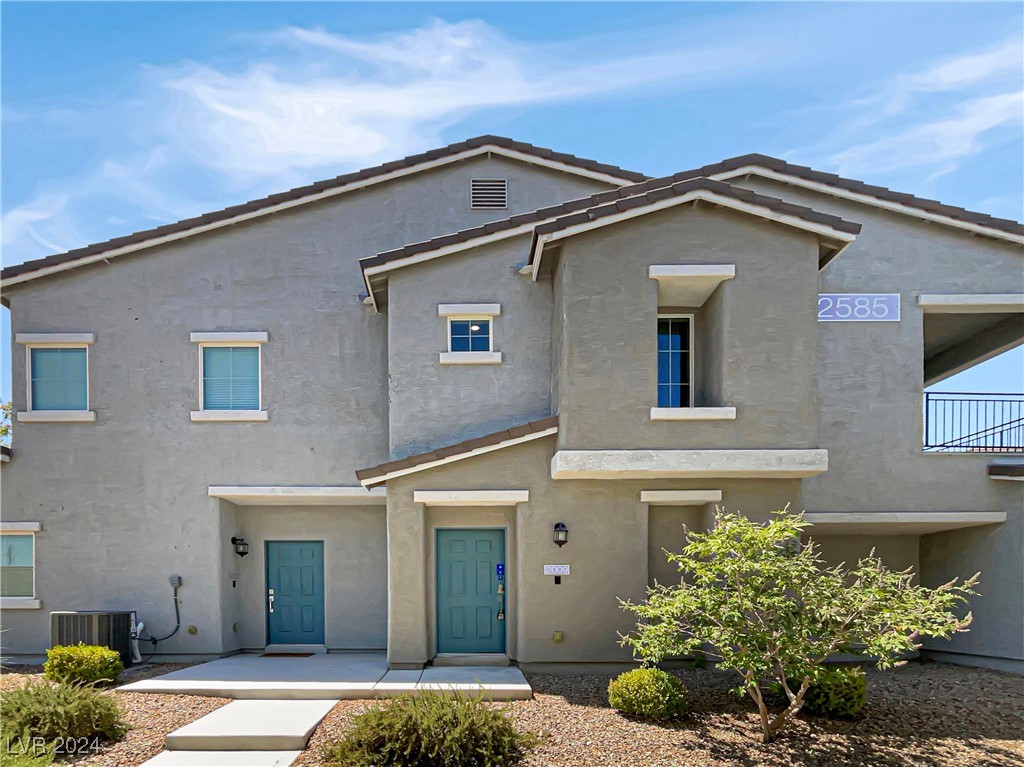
{"x":270,"y":600}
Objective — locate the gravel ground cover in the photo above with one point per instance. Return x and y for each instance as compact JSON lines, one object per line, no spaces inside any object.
{"x":919,"y":715}
{"x":150,"y":716}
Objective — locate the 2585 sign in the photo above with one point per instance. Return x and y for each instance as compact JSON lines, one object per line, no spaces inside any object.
{"x":858,"y":307}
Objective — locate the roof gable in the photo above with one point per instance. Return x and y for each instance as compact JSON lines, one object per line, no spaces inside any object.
{"x":878,"y":196}
{"x":316,"y":191}
{"x":559,"y":221}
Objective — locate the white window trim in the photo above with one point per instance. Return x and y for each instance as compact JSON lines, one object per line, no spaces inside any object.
{"x":23,"y":603}
{"x":243,"y":340}
{"x":489,"y":357}
{"x":468,"y":311}
{"x":693,"y":413}
{"x":55,"y":341}
{"x":689,"y":355}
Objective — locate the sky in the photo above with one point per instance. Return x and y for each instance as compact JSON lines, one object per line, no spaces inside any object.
{"x":123,"y":116}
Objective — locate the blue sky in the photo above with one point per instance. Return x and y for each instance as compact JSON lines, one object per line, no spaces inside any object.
{"x":122,"y":116}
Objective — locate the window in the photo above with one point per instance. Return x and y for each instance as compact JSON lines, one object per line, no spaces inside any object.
{"x":469,"y":335}
{"x":230,"y":377}
{"x":17,"y":565}
{"x":488,"y":194}
{"x":675,"y":361}
{"x":57,"y":376}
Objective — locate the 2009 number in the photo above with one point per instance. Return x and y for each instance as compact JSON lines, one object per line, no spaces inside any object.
{"x":859,"y":307}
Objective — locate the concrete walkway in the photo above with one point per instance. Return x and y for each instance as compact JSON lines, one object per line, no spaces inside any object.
{"x":278,"y":702}
{"x":335,"y":676}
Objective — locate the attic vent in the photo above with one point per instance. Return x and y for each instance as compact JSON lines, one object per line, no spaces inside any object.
{"x":489,"y":194}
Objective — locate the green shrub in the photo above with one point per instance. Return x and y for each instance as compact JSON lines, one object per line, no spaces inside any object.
{"x":841,"y":691}
{"x":430,"y":730}
{"x":83,"y":664}
{"x":52,"y":711}
{"x":649,"y":693}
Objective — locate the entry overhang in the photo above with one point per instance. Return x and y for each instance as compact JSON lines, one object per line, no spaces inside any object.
{"x":330,"y":495}
{"x":670,"y":464}
{"x":971,"y":303}
{"x":897,"y":522}
{"x":471,"y":497}
{"x":688,"y":284}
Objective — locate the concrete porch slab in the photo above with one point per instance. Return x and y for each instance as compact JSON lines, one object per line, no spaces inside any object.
{"x":497,"y":683}
{"x":333,"y":676}
{"x":252,"y":725}
{"x":223,"y":759}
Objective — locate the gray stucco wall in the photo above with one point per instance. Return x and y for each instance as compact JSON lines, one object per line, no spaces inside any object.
{"x":997,"y":552}
{"x":766,"y":360}
{"x":871,"y":420}
{"x":433,"y":404}
{"x":123,"y":501}
{"x":607,"y":552}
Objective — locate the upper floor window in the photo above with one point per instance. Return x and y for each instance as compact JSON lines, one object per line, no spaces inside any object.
{"x":675,"y":361}
{"x":57,"y":376}
{"x":469,"y":335}
{"x":230,"y":377}
{"x":17,"y":565}
{"x":488,"y":194}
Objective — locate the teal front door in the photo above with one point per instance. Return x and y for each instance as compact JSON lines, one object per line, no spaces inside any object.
{"x":295,"y":592}
{"x":470,"y":596}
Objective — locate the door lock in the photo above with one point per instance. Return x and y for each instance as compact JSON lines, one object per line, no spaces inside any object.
{"x":270,"y":600}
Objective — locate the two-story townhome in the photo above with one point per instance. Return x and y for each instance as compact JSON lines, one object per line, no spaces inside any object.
{"x":461,"y":402}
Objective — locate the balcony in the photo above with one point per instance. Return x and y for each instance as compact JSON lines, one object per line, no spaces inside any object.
{"x":964,"y":422}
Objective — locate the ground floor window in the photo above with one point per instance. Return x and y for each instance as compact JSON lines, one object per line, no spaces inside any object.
{"x":17,"y":565}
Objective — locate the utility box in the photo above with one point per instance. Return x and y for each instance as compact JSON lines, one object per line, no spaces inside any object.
{"x":106,"y":628}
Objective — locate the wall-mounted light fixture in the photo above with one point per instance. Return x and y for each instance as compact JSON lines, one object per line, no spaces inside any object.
{"x":561,"y":534}
{"x":241,"y":547}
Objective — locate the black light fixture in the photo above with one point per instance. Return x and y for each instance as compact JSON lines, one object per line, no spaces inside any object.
{"x":561,"y":534}
{"x":241,"y":547}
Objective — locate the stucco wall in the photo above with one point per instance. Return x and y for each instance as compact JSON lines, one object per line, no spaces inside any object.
{"x":433,"y":404}
{"x":997,"y":552}
{"x":871,"y":374}
{"x":871,"y":418}
{"x":123,"y":501}
{"x":764,"y":353}
{"x":607,"y":552}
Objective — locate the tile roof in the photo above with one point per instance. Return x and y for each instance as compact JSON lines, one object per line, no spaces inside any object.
{"x":596,"y":206}
{"x":852,"y":185}
{"x":374,"y":475}
{"x":316,"y":188}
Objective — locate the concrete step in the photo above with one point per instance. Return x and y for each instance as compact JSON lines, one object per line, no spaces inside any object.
{"x":223,"y":759}
{"x":471,"y":659}
{"x":252,"y":725}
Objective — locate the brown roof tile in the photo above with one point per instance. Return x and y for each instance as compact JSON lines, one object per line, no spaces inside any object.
{"x":459,"y":448}
{"x":314,"y":188}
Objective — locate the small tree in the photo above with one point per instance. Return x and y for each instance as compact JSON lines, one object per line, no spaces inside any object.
{"x":5,"y":423}
{"x":756,"y":602}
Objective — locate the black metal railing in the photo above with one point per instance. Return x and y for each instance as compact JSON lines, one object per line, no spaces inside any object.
{"x":964,"y":422}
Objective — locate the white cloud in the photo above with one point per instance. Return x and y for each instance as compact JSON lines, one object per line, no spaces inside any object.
{"x":940,"y":142}
{"x":927,"y":121}
{"x":307,"y":101}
